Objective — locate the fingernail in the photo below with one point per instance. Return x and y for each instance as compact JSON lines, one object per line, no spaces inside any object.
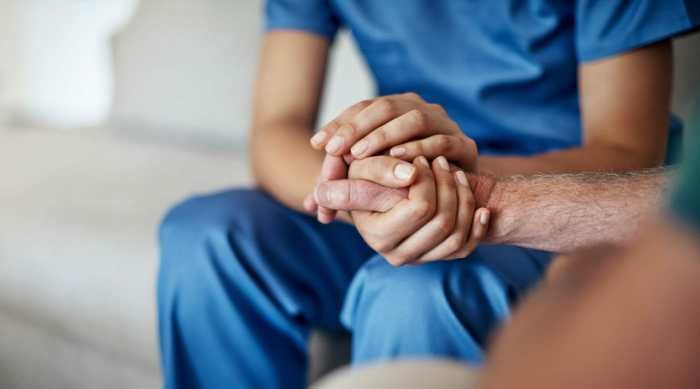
{"x":423,"y":161}
{"x":359,"y":147}
{"x":334,"y":144}
{"x":319,"y":137}
{"x":442,"y":162}
{"x":403,"y":171}
{"x":461,"y":178}
{"x":397,"y":151}
{"x":484,"y":217}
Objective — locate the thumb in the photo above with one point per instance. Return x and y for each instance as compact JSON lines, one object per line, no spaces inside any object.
{"x":358,"y":195}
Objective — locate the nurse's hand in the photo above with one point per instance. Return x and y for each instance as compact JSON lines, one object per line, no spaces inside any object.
{"x":435,"y":222}
{"x":404,"y":125}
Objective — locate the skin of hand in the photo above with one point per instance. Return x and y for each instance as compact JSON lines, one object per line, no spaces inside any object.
{"x":408,"y":123}
{"x":436,"y":221}
{"x":612,"y":318}
{"x":395,"y":122}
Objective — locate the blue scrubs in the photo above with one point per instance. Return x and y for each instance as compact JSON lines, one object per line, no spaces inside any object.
{"x":244,"y":279}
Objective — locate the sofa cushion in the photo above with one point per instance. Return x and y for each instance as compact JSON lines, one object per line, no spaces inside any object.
{"x":77,"y":230}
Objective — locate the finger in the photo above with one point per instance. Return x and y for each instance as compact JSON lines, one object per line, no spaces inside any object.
{"x":441,"y":225}
{"x":383,"y":231}
{"x":333,"y":168}
{"x":414,"y":123}
{"x":480,"y":224}
{"x":383,"y":170}
{"x":459,"y":149}
{"x":319,"y":140}
{"x":325,"y":215}
{"x":358,"y":195}
{"x":455,"y":242}
{"x":310,"y":204}
{"x":378,"y":113}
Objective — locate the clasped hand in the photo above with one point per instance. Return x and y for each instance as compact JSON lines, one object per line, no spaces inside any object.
{"x":377,"y":167}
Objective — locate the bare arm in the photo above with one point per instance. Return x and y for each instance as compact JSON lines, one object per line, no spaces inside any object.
{"x":563,"y":212}
{"x":287,"y":92}
{"x":625,"y":108}
{"x":557,"y":212}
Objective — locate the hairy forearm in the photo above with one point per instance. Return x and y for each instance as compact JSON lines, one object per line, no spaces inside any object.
{"x":284,"y":164}
{"x":581,"y":159}
{"x":563,"y":212}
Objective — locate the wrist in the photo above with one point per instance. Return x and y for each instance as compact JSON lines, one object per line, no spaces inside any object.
{"x":483,"y":187}
{"x":492,"y":192}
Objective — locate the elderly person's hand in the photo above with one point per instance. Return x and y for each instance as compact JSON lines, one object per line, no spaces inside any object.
{"x":435,"y":221}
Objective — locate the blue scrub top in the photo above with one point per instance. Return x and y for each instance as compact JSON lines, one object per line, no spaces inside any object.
{"x":506,"y":70}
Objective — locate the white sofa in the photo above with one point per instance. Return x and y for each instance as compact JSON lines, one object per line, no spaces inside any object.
{"x":78,"y":255}
{"x":80,"y":208}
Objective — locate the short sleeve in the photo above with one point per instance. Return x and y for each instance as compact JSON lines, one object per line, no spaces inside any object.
{"x":315,"y":16}
{"x":685,"y":198}
{"x":608,"y":27}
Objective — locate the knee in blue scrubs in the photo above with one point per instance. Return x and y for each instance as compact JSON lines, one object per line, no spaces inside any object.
{"x":446,"y":309}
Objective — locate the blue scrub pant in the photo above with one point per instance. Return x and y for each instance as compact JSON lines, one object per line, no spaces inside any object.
{"x":243,"y":280}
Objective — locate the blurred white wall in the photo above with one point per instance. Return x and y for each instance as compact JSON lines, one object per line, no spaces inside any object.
{"x":58,"y":67}
{"x":186,"y":68}
{"x":8,"y":66}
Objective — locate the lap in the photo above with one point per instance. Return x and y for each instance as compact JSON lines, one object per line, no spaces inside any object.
{"x":477,"y":291}
{"x":304,"y":265}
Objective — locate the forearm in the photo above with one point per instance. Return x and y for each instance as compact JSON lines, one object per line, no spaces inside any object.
{"x":563,"y":212}
{"x":284,"y":164}
{"x":581,"y":159}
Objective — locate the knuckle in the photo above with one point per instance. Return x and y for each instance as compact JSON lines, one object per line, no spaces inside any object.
{"x":349,"y":129}
{"x":364,"y":104}
{"x":418,"y":148}
{"x":393,"y":261}
{"x":399,"y":259}
{"x":442,"y":142}
{"x":412,"y":96}
{"x":381,"y":246}
{"x":444,"y":224}
{"x":452,"y":247}
{"x":332,"y":126}
{"x":423,"y":209}
{"x":352,"y":193}
{"x":438,"y":108}
{"x":355,"y":108}
{"x":387,"y":107}
{"x":378,"y":137}
{"x":456,"y":243}
{"x":469,"y":143}
{"x":462,"y":253}
{"x":418,"y":118}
